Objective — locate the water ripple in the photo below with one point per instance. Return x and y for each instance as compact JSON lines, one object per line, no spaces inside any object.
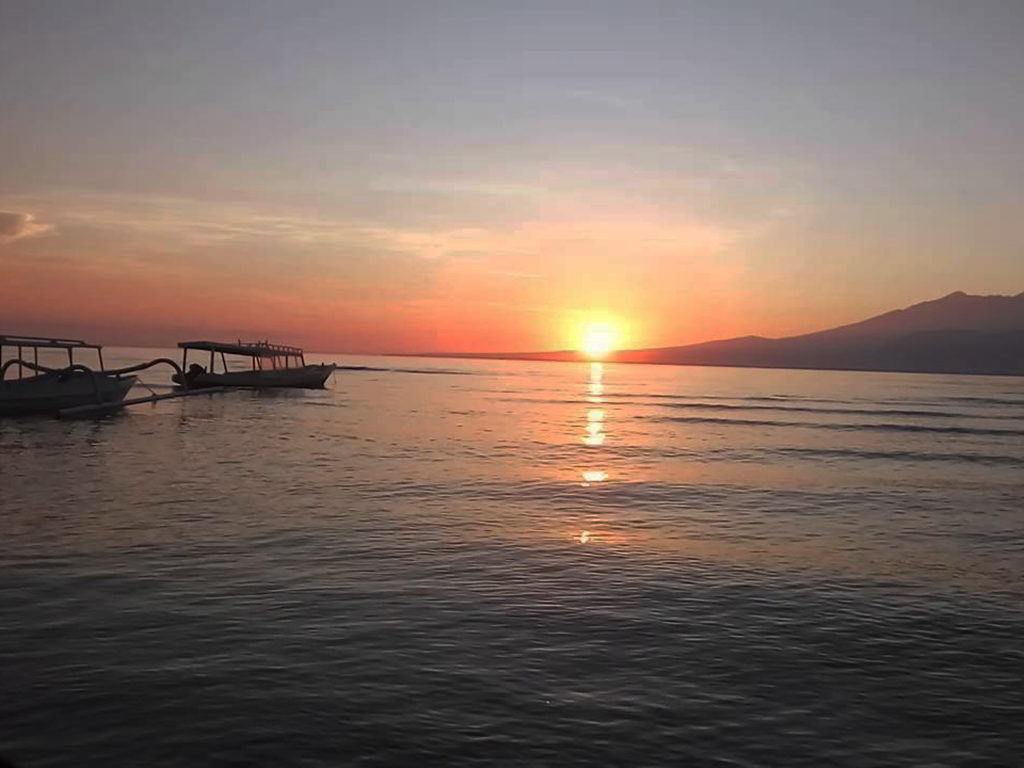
{"x":406,"y":570}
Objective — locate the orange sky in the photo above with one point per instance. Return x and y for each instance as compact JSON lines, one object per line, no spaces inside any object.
{"x":127,"y":273}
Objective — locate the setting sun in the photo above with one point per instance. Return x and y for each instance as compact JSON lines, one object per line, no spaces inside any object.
{"x":598,"y":340}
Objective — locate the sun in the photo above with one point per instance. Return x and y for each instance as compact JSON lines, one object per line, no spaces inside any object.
{"x":598,"y":340}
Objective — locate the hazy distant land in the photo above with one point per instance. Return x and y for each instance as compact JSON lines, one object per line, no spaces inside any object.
{"x":958,"y":333}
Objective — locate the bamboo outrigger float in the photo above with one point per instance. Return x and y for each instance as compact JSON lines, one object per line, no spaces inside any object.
{"x":270,"y":365}
{"x":42,"y":389}
{"x":73,"y":389}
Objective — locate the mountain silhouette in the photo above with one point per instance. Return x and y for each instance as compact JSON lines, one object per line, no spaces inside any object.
{"x":958,"y":333}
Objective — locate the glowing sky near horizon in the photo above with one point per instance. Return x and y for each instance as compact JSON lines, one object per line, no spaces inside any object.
{"x":477,"y":176}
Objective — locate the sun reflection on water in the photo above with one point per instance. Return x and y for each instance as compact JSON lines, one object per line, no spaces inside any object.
{"x":594,"y":437}
{"x":595,"y":427}
{"x":593,"y":536}
{"x":595,"y":416}
{"x":595,"y":386}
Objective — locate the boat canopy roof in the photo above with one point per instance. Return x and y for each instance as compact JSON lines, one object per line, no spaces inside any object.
{"x":245,"y":348}
{"x":45,"y":341}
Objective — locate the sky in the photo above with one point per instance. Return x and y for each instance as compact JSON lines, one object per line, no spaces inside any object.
{"x":475,"y":175}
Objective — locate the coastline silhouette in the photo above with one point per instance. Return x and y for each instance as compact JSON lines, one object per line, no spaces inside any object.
{"x":958,"y":333}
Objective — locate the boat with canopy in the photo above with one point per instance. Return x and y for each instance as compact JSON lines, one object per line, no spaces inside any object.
{"x":51,"y":386}
{"x":269,"y":365}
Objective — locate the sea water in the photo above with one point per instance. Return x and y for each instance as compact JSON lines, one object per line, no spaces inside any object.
{"x":438,"y":562}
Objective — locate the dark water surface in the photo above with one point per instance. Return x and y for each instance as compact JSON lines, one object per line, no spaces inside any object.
{"x":521,"y":564}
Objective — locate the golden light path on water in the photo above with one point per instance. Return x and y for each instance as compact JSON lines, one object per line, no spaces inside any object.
{"x":595,"y":434}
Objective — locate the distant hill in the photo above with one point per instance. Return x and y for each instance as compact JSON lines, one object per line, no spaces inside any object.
{"x":958,"y":333}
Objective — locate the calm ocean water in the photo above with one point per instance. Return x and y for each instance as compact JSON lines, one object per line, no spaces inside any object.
{"x":438,"y":562}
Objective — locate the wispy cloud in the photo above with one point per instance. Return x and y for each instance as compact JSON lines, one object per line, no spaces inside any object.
{"x":15,"y":226}
{"x":370,"y":283}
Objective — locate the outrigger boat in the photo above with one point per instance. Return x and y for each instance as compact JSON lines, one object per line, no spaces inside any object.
{"x":270,"y":365}
{"x":48,"y":389}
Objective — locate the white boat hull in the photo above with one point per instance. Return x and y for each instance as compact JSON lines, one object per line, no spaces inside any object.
{"x":54,"y":391}
{"x":306,"y":377}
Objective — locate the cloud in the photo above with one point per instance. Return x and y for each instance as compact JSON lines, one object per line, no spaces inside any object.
{"x":14,"y":226}
{"x":163,"y":241}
